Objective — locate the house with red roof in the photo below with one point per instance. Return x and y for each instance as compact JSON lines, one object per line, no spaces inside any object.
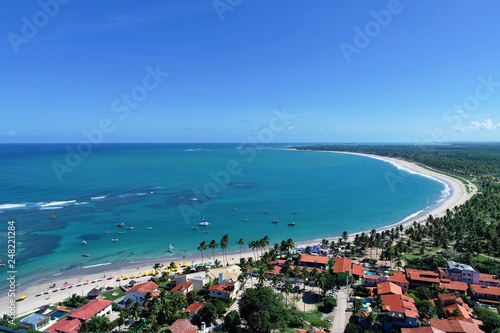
{"x":65,"y":326}
{"x":342,"y":268}
{"x":183,"y":326}
{"x":137,"y":294}
{"x":453,"y":285}
{"x":419,"y":277}
{"x":96,"y":307}
{"x":357,"y":271}
{"x":399,"y":278}
{"x":485,"y":294}
{"x":182,"y":288}
{"x":423,"y":329}
{"x":399,"y":311}
{"x":455,"y":326}
{"x":457,"y":311}
{"x":489,"y":279}
{"x":193,"y":308}
{"x":388,"y":288}
{"x":225,"y":290}
{"x":313,"y":261}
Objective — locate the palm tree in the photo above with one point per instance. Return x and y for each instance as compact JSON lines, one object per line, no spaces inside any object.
{"x":224,"y":243}
{"x":213,"y":245}
{"x":157,"y":267}
{"x":262,"y":275}
{"x":241,"y":242}
{"x":203,"y":247}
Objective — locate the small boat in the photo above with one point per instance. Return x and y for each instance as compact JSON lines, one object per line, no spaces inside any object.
{"x":291,"y":224}
{"x":84,"y":242}
{"x":106,"y":232}
{"x":274,"y":221}
{"x":114,"y":240}
{"x":205,"y":232}
{"x":245,"y":220}
{"x":294,"y":213}
{"x":121,"y":224}
{"x":85,"y":255}
{"x":53,"y":216}
{"x":235,"y":209}
{"x":149,"y":228}
{"x":194,"y":228}
{"x":130,"y":228}
{"x":171,"y":248}
{"x":265,"y":212}
{"x":204,"y":222}
{"x":119,"y":232}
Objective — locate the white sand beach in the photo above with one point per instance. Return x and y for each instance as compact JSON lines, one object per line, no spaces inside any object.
{"x":458,"y":196}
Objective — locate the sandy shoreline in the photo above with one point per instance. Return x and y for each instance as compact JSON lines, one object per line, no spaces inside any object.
{"x":458,"y":195}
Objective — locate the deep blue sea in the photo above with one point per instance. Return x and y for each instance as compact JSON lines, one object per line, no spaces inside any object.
{"x":163,"y":190}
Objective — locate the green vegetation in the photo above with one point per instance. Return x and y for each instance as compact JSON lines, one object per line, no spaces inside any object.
{"x":75,"y":301}
{"x":114,"y":294}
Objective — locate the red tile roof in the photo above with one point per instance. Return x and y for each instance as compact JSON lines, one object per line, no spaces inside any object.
{"x":384,"y":288}
{"x":490,"y":290}
{"x":90,"y":309}
{"x":144,"y":288}
{"x":194,"y":307}
{"x":342,"y":265}
{"x":450,"y":309}
{"x":307,"y":258}
{"x":488,"y":279}
{"x":423,"y":276}
{"x":357,"y":270}
{"x":455,"y":326}
{"x":371,"y":277}
{"x":183,"y":326}
{"x":454,"y":286}
{"x":423,"y":329}
{"x":275,"y":271}
{"x":398,"y":277}
{"x":66,"y":325}
{"x":399,"y":303}
{"x":447,"y":297}
{"x":181,"y":287}
{"x":225,"y":288}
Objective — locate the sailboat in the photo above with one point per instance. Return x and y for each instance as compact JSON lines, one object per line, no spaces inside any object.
{"x":203,"y":221}
{"x":171,"y":248}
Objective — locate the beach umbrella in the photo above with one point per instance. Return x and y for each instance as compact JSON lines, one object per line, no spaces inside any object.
{"x":132,"y":282}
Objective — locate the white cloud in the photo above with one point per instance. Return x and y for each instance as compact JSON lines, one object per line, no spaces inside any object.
{"x":487,"y":125}
{"x":8,"y":133}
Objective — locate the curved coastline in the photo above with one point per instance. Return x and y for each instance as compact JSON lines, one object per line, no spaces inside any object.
{"x":457,"y":196}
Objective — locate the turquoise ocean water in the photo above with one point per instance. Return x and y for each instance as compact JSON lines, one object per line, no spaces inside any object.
{"x":169,"y":187}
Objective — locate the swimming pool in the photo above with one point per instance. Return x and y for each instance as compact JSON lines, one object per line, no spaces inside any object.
{"x":371,"y":273}
{"x":57,"y":314}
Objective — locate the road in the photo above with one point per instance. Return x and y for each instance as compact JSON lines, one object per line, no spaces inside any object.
{"x":339,"y":313}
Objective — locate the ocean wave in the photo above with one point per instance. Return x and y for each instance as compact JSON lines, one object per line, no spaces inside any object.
{"x":98,"y":198}
{"x":57,"y":203}
{"x":50,"y":208}
{"x":97,"y":265}
{"x":82,"y":203}
{"x":12,"y":206}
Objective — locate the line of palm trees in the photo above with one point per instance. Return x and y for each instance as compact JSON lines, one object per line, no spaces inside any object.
{"x":223,"y":244}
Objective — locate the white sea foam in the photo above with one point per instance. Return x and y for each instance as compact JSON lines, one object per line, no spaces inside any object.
{"x":12,"y":206}
{"x":98,"y":198}
{"x":81,"y":203}
{"x":56,"y":203}
{"x":50,"y":208}
{"x":97,"y":265}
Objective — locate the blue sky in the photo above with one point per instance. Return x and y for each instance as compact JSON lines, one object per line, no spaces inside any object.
{"x":237,"y":71}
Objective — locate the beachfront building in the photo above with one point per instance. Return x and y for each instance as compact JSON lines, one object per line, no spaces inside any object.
{"x":137,"y":294}
{"x":398,"y":311}
{"x":34,"y":321}
{"x":419,"y":277}
{"x":485,"y":294}
{"x":229,"y":273}
{"x":193,"y":308}
{"x":397,"y":278}
{"x":65,"y":326}
{"x":342,"y":268}
{"x":96,"y":307}
{"x":198,"y":279}
{"x":226,"y":290}
{"x":308,"y":260}
{"x":182,"y":288}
